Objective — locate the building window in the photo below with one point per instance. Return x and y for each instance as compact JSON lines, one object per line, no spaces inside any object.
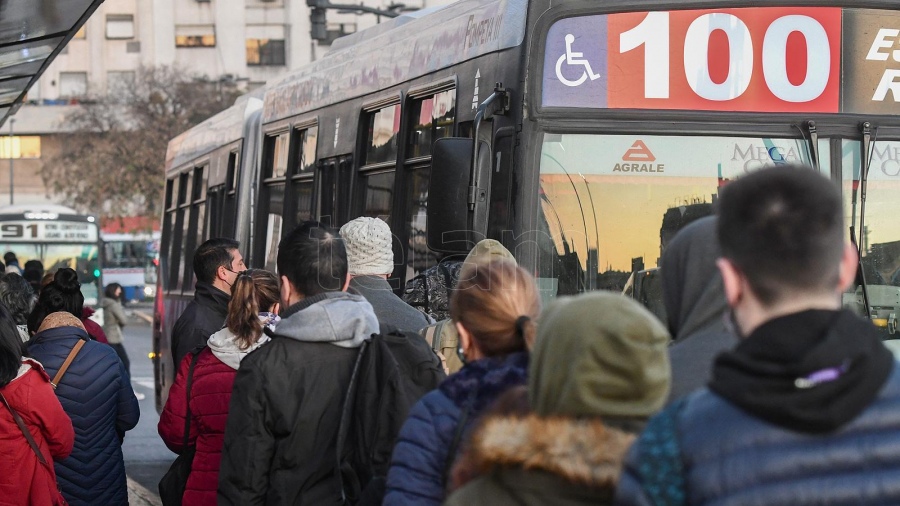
{"x":119,"y":26}
{"x":72,"y":84}
{"x":116,"y":80}
{"x":28,"y":146}
{"x":195,"y":36}
{"x":265,"y":52}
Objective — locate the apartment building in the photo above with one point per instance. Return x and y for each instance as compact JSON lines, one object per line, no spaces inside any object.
{"x":246,"y":41}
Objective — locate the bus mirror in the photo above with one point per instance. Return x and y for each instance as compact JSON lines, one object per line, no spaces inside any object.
{"x":447,"y":221}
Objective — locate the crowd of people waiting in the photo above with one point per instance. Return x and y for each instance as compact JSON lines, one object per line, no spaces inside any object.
{"x":761,"y":391}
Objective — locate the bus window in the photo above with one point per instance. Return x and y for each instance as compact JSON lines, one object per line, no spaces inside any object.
{"x":379,"y":195}
{"x":877,"y":231}
{"x":433,"y":117}
{"x":196,"y":232}
{"x":229,"y":205}
{"x":303,"y":173}
{"x":182,"y":228}
{"x":271,"y":201}
{"x":381,"y":140}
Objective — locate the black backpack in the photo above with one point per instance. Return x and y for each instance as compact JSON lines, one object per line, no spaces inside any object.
{"x":393,"y":370}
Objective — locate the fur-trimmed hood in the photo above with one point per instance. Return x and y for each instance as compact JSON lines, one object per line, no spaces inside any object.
{"x":579,"y":451}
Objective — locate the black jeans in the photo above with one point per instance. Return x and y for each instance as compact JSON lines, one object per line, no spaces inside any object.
{"x":120,"y":351}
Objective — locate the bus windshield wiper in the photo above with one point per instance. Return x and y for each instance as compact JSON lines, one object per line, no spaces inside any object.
{"x":867,"y":146}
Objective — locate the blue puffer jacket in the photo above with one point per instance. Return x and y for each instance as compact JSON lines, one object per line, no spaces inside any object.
{"x":421,"y":462}
{"x":97,"y":396}
{"x":723,"y":456}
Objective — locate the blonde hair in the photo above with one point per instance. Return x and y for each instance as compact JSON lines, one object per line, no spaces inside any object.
{"x":254,"y":290}
{"x":498,"y":303}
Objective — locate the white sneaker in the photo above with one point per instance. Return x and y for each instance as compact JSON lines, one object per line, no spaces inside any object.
{"x":139,"y":395}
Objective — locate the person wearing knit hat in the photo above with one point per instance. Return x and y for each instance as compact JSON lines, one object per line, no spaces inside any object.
{"x":370,"y":260}
{"x":599,"y":370}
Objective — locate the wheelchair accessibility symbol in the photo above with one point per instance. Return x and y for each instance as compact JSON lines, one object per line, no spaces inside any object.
{"x":575,"y":59}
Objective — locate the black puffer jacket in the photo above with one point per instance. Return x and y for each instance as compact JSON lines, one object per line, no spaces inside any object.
{"x":281,"y":434}
{"x":203,"y":317}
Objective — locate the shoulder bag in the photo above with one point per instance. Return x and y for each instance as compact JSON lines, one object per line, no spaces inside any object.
{"x":59,"y":499}
{"x":173,"y":483}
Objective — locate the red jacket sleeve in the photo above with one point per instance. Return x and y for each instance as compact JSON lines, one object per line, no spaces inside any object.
{"x":56,"y":426}
{"x":171,"y":421}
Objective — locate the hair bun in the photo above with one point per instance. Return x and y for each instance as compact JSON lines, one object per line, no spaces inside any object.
{"x":67,"y":280}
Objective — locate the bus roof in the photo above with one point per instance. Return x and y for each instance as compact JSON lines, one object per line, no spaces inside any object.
{"x":381,"y":57}
{"x":219,"y":130}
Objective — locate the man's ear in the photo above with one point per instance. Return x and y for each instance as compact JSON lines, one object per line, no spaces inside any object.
{"x":285,"y":291}
{"x":849,"y":265}
{"x":732,"y":281}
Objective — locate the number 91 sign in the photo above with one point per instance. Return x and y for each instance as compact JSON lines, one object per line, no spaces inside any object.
{"x":772,"y":59}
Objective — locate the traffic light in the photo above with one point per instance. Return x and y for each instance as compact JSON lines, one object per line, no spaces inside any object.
{"x":317,"y":30}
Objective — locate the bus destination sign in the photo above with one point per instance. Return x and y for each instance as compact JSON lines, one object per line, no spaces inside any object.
{"x":762,"y":59}
{"x":48,"y":231}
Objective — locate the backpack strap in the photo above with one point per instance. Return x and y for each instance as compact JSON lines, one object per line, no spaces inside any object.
{"x":433,"y":334}
{"x":190,"y":379}
{"x":660,"y":466}
{"x":25,"y":431}
{"x":62,"y":370}
{"x":346,"y":413}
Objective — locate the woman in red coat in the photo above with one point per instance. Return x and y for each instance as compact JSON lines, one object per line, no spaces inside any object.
{"x":26,"y":388}
{"x":254,"y":302}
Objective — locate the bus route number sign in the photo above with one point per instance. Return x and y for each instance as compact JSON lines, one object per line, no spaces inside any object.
{"x":48,"y":231}
{"x":763,"y":59}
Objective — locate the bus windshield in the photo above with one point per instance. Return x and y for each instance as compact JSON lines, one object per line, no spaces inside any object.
{"x":83,"y":258}
{"x":611,"y":203}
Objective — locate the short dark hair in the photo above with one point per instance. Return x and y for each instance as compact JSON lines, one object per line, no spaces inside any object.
{"x":11,"y":348}
{"x":783,"y":228}
{"x":17,"y":295}
{"x":313,"y":259}
{"x":211,"y":255}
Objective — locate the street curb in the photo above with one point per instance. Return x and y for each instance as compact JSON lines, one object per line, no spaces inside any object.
{"x":143,"y":316}
{"x":138,"y":495}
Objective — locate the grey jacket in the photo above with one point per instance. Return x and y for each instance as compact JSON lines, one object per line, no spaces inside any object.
{"x":113,"y":320}
{"x":390,"y":309}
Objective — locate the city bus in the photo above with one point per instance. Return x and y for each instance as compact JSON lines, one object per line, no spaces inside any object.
{"x":57,"y":236}
{"x":130,"y":259}
{"x":565,"y":129}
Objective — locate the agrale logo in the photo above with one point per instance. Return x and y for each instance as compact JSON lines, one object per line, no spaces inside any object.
{"x":639,"y":158}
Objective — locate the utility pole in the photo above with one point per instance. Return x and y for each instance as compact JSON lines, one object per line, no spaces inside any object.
{"x":10,"y":153}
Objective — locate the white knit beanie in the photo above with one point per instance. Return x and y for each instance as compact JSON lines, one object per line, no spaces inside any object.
{"x":368,"y":244}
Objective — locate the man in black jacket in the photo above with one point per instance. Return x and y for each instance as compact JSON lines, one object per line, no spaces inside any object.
{"x":281,"y":435}
{"x":217,"y":263}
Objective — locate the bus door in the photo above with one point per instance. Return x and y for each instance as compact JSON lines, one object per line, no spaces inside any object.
{"x":335,"y":190}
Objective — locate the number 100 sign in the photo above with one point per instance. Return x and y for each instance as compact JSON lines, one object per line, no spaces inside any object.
{"x":775,"y":59}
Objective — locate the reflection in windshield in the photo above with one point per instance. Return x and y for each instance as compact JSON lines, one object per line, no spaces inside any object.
{"x":879,"y":238}
{"x":83,"y":258}
{"x":611,"y":203}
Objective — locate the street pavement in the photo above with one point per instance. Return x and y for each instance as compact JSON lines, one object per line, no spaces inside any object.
{"x":146,"y":457}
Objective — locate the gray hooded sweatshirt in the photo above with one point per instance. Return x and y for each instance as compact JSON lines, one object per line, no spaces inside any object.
{"x":695,"y":304}
{"x":340,"y":318}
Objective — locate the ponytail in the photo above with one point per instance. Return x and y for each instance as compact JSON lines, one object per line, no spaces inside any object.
{"x":497,"y":302}
{"x":254,"y":290}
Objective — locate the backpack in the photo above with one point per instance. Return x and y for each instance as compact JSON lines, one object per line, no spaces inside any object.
{"x":444,"y":339}
{"x":393,"y":370}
